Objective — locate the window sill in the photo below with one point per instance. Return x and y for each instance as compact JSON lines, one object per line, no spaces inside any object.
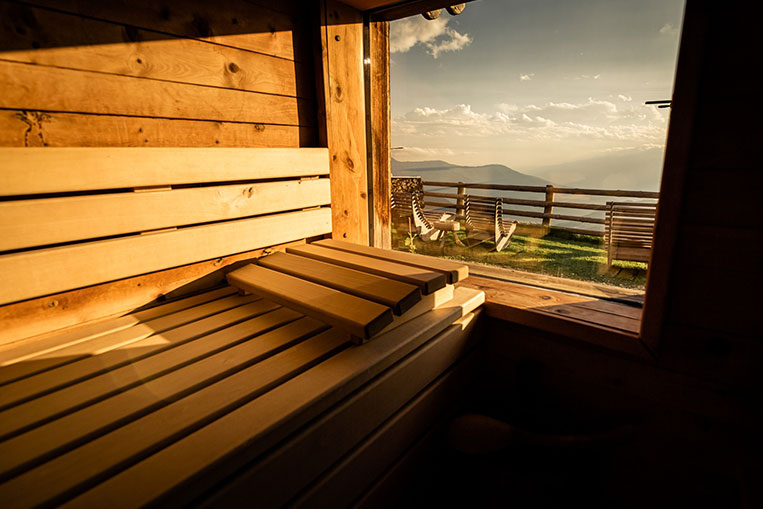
{"x":607,"y":324}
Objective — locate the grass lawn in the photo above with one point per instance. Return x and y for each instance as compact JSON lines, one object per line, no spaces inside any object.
{"x":558,"y":253}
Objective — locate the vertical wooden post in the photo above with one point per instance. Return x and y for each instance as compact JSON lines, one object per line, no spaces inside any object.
{"x":381,"y":175}
{"x":548,"y":209}
{"x":341,"y":63}
{"x":461,"y":190}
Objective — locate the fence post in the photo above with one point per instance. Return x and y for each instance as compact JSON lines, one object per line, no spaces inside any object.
{"x":548,"y":209}
{"x":460,"y":200}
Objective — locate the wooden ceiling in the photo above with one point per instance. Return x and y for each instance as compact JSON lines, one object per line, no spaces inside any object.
{"x":396,"y":9}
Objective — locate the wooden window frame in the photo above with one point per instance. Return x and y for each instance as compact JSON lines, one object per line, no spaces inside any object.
{"x":645,"y":344}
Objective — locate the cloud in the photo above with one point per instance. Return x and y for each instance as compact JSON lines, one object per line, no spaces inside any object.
{"x":434,"y":35}
{"x":592,"y":119}
{"x":668,"y":29}
{"x":625,"y":98}
{"x":526,"y":77}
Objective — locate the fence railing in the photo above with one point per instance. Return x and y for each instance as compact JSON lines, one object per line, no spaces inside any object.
{"x":544,"y":207}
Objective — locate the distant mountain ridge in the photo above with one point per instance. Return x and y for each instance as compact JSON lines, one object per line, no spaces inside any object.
{"x":442,"y":171}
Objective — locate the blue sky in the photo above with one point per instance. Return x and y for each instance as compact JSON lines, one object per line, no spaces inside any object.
{"x":533,"y":83}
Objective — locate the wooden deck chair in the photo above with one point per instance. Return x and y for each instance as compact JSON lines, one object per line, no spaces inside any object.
{"x":484,"y":221}
{"x":629,"y":231}
{"x":408,"y":217}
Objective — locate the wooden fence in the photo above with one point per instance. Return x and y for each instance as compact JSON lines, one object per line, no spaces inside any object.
{"x":545,"y":208}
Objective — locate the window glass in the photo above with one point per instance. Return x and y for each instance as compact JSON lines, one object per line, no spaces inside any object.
{"x":525,"y":136}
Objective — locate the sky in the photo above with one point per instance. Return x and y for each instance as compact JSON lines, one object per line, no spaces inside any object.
{"x":533,"y":83}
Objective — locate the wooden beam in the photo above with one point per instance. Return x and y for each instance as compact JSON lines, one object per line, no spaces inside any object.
{"x":381,"y":174}
{"x":57,"y":170}
{"x":345,"y":118}
{"x":47,"y":271}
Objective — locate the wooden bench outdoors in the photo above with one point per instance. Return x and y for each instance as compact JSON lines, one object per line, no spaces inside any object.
{"x":300,"y":380}
{"x":629,"y":231}
{"x":484,"y":222}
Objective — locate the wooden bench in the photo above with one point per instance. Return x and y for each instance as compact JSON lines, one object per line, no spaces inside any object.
{"x":484,"y":221}
{"x":629,"y":231}
{"x":218,"y":397}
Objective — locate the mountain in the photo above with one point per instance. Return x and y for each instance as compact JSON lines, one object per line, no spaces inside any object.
{"x":441,"y":171}
{"x":637,"y":169}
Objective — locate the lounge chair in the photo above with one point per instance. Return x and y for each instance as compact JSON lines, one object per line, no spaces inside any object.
{"x":484,"y":221}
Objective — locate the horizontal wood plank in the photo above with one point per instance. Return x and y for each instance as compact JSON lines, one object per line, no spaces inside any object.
{"x":29,"y":223}
{"x":87,"y":464}
{"x":454,"y":270}
{"x":357,"y":316}
{"x":217,"y":355}
{"x":47,"y":271}
{"x":84,"y":359}
{"x":237,"y":24}
{"x":389,"y":292}
{"x":29,"y":128}
{"x":92,"y":45}
{"x":28,"y":86}
{"x":57,"y":170}
{"x":17,"y":352}
{"x":428,"y":280}
{"x":34,"y":320}
{"x":222,"y":446}
{"x":290,"y":468}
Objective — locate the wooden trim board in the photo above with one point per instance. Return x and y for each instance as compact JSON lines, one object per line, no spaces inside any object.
{"x":30,"y":223}
{"x":47,"y":271}
{"x":58,"y":170}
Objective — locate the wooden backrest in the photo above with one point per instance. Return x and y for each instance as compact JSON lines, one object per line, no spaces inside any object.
{"x":630,"y":224}
{"x":75,"y":217}
{"x":483,"y":214}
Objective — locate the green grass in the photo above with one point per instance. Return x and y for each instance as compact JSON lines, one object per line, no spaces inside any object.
{"x":558,"y":253}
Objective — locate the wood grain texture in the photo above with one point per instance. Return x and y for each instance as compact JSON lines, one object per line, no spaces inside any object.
{"x":293,"y":466}
{"x":389,"y":292}
{"x":380,"y":133}
{"x":92,"y":45}
{"x":454,"y":270}
{"x":53,"y":270}
{"x":78,"y":360}
{"x":27,"y":87}
{"x":57,"y":170}
{"x":168,"y":375}
{"x":345,"y":120}
{"x":229,"y":442}
{"x":29,"y":223}
{"x":52,"y":397}
{"x":357,"y":316}
{"x":29,"y":128}
{"x":514,"y":303}
{"x":82,"y":467}
{"x":238,"y":24}
{"x":21,"y":350}
{"x":30,"y":321}
{"x":352,"y":475}
{"x":428,"y":280}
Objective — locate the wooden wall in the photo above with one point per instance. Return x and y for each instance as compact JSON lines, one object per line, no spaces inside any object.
{"x":156,"y":74}
{"x":712,"y":326}
{"x":175,"y":73}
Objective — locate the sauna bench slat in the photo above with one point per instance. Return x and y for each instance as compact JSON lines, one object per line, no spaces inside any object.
{"x":211,"y":386}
